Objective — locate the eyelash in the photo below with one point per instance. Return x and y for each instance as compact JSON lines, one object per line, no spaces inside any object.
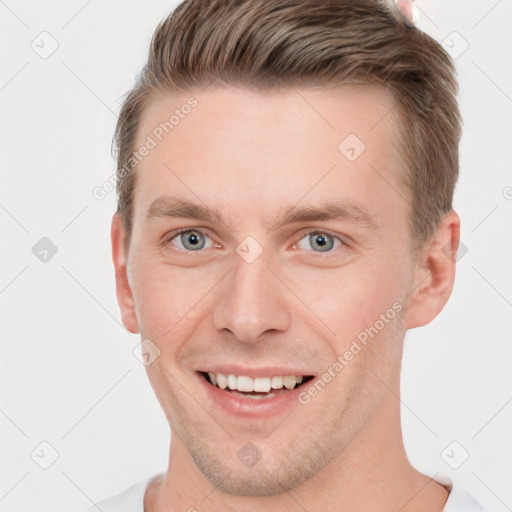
{"x":171,"y":236}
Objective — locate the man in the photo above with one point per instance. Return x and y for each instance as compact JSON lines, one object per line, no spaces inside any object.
{"x":256,"y":131}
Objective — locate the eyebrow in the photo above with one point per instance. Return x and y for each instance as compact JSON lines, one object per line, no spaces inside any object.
{"x":170,"y":206}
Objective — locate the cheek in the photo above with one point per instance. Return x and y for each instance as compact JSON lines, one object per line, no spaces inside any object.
{"x":155,"y":297}
{"x":168,"y":393}
{"x":169,"y":299}
{"x":350,"y":298}
{"x":150,"y":291}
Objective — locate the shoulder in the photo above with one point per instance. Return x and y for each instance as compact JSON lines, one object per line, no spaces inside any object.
{"x":129,"y":500}
{"x":459,"y":500}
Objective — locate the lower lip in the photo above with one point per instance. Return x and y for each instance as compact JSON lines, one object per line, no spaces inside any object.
{"x":242,"y":406}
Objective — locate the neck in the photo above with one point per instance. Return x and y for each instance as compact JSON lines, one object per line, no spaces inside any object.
{"x":373,"y":473}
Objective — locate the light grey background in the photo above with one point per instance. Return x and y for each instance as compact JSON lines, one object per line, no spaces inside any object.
{"x":68,"y":373}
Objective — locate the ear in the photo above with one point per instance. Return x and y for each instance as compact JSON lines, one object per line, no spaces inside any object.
{"x":434,"y":274}
{"x":123,"y":289}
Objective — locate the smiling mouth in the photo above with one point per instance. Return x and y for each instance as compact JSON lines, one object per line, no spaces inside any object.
{"x":259,"y":387}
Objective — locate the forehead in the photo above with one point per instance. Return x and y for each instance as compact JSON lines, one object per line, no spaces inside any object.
{"x":243,"y":149}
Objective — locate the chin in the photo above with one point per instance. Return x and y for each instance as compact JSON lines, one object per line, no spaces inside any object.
{"x":269,"y":476}
{"x":254,"y":482}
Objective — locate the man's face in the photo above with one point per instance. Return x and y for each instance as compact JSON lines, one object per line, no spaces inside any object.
{"x":256,"y":294}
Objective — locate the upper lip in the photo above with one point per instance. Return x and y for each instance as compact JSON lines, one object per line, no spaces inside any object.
{"x":266,"y":371}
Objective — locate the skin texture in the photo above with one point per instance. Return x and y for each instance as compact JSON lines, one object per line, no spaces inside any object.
{"x":251,"y":156}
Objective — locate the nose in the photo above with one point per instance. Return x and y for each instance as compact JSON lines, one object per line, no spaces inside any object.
{"x":252,"y":301}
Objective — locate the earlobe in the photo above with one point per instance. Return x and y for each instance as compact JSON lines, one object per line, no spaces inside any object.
{"x":434,"y":274}
{"x":123,"y":290}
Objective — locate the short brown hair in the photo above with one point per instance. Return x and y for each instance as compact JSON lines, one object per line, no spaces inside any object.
{"x":263,"y":44}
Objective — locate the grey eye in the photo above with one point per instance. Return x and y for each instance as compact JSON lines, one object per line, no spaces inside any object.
{"x":323,"y":241}
{"x":192,"y":240}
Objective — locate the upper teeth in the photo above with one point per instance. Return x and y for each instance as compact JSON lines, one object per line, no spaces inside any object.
{"x":247,"y":384}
